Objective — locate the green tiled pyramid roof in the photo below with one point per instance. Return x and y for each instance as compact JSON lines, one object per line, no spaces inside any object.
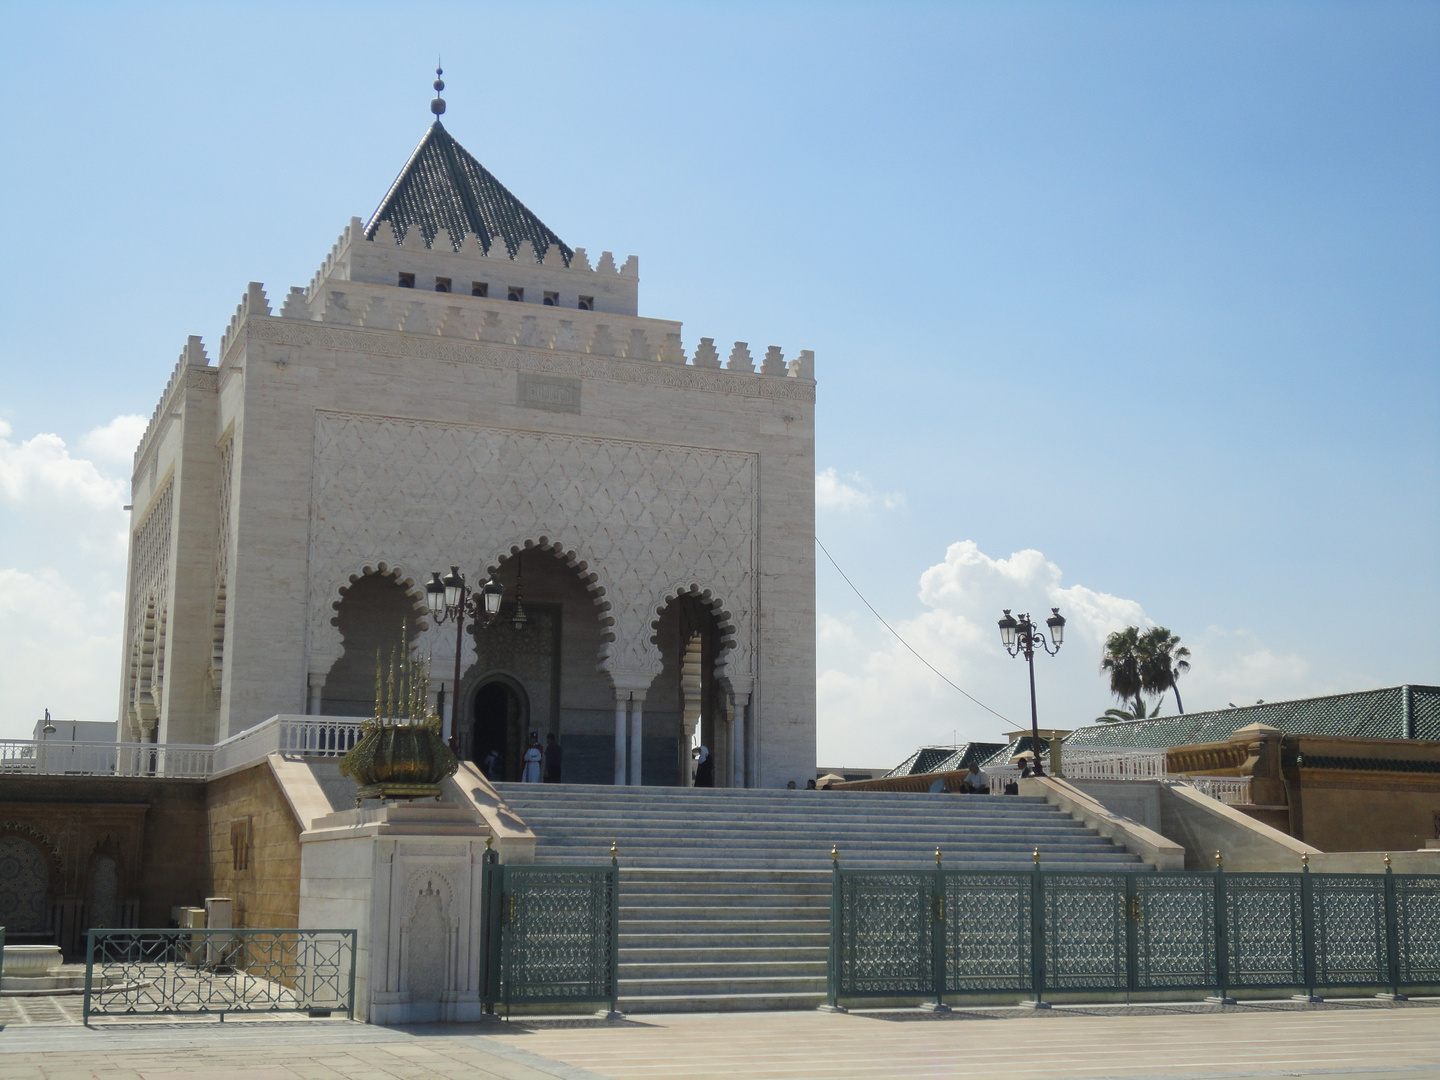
{"x":933,"y":759}
{"x":1396,"y":712}
{"x":443,"y":186}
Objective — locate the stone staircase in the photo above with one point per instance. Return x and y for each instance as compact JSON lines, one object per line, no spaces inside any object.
{"x":725,"y":893}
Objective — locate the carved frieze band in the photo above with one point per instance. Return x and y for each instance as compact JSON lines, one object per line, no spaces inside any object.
{"x":537,"y":361}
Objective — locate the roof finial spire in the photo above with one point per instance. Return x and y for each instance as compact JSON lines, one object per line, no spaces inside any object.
{"x":438,"y":105}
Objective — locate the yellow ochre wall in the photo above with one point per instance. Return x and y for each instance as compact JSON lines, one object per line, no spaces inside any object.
{"x":265,"y":885}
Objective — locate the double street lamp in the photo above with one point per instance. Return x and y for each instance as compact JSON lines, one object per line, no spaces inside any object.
{"x":1022,"y":636}
{"x":452,"y":599}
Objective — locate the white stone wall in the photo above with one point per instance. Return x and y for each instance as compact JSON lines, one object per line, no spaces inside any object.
{"x":421,"y":429}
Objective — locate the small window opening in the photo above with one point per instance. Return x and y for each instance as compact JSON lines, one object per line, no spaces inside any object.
{"x":442,"y":284}
{"x":241,"y":841}
{"x":516,"y":293}
{"x":552,"y":299}
{"x":479,"y":288}
{"x":407,"y":281}
{"x":587,"y":303}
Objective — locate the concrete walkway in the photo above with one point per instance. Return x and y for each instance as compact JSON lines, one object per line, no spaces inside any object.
{"x":1363,"y":1040}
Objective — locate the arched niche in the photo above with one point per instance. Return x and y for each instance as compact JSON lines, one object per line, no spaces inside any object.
{"x":373,"y":612}
{"x":685,"y":705}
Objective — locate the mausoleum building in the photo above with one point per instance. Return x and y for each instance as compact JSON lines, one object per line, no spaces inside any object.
{"x":457,"y":386}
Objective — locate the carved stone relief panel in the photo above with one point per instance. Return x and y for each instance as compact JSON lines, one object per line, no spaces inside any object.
{"x":647,"y":519}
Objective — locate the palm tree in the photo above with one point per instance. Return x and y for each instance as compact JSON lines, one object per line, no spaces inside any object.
{"x":1122,"y":659}
{"x":1116,"y":716}
{"x":1162,"y":661}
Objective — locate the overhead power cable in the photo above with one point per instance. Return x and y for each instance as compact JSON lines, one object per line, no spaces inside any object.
{"x":900,"y":639}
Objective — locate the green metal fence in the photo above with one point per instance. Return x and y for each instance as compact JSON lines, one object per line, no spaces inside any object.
{"x":937,"y":933}
{"x":153,"y":972}
{"x":552,"y":933}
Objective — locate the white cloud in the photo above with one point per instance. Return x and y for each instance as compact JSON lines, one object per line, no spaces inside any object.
{"x":59,"y":649}
{"x":834,"y":493}
{"x":114,"y":443}
{"x":877,"y":701}
{"x":66,"y":499}
{"x":62,"y":575}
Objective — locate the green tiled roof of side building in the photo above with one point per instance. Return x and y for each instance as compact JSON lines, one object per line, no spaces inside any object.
{"x":933,"y":759}
{"x":1395,"y":712}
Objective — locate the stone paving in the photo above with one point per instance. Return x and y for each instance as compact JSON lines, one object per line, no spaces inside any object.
{"x":1355,"y":1040}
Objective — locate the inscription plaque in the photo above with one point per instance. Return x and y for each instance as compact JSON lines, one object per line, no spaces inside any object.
{"x":553,"y":393}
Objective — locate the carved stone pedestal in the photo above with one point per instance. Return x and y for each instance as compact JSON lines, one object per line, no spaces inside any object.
{"x":407,"y":877}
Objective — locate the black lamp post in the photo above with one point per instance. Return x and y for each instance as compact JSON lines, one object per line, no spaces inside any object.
{"x":451,"y":598}
{"x":1021,"y":636}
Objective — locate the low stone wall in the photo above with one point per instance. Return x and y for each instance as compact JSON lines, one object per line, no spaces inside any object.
{"x":115,"y":850}
{"x":254,"y":847}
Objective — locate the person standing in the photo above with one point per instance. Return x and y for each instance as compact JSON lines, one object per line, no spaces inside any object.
{"x":553,"y":755}
{"x":704,"y":767}
{"x":495,"y":765}
{"x":533,"y":757}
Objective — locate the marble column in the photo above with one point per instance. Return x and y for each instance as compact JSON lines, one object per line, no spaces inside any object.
{"x":622,"y":697}
{"x":637,"y":725}
{"x":317,"y":682}
{"x":737,"y":727}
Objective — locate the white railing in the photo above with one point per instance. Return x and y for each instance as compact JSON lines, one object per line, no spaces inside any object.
{"x":1128,"y":763}
{"x":302,"y":736}
{"x":1114,"y":763}
{"x":43,"y":758}
{"x":1231,"y":790}
{"x":318,"y":736}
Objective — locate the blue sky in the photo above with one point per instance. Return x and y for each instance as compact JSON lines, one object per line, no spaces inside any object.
{"x":1130,"y":308}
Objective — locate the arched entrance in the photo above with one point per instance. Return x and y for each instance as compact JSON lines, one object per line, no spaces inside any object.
{"x":544,"y":646}
{"x":499,"y":714}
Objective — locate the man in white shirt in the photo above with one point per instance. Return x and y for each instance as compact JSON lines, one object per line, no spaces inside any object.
{"x":975,"y":782}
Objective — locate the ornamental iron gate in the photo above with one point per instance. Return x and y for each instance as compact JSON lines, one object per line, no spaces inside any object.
{"x":152,"y":972}
{"x":932,"y":933}
{"x":551,"y":933}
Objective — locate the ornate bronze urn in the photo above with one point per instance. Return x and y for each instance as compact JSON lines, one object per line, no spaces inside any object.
{"x":400,"y":754}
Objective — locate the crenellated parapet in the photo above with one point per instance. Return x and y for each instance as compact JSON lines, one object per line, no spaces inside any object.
{"x":192,"y":361}
{"x":474,"y":289}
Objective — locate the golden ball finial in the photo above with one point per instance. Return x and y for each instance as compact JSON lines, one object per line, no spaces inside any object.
{"x":614,"y":850}
{"x":1219,"y":859}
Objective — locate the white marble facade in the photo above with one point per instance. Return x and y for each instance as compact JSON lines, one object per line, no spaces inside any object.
{"x":388,"y":421}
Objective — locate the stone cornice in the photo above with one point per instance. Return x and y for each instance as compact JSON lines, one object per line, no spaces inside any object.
{"x":538,"y":361}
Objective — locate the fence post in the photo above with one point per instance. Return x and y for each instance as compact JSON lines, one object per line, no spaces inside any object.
{"x":614,"y":973}
{"x":1392,"y":935}
{"x":89,"y":972}
{"x":1037,"y":934}
{"x":1307,"y":930}
{"x":354,"y":947}
{"x":1222,"y":938}
{"x":937,"y":938}
{"x":490,"y":919}
{"x":832,"y":964}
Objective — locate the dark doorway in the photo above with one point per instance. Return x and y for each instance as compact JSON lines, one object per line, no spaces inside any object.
{"x":499,"y":723}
